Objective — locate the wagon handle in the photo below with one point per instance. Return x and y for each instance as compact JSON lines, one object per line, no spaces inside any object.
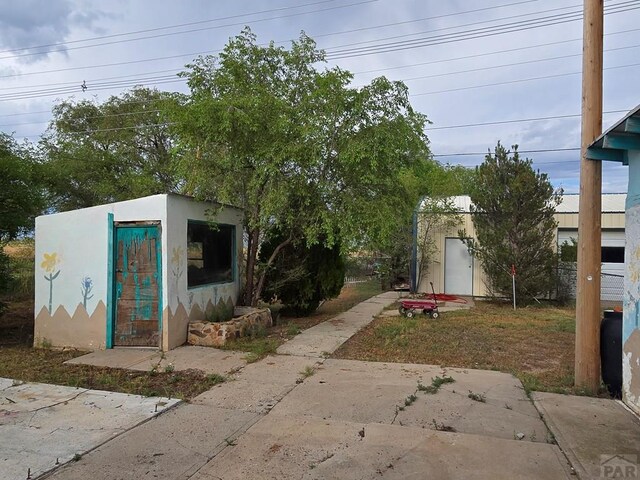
{"x":435,"y":299}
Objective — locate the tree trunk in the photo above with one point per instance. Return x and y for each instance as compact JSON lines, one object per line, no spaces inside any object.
{"x":263,"y":274}
{"x":252,"y":254}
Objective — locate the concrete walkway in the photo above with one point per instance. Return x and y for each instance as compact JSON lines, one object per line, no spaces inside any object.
{"x":300,"y":415}
{"x":325,"y":338}
{"x":42,"y":426}
{"x":303,"y":416}
{"x":600,"y":437}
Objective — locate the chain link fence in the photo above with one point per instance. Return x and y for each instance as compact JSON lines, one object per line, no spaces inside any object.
{"x":611,"y":285}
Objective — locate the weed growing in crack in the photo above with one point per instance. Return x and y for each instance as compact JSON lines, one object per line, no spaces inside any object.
{"x":441,"y":427}
{"x":409,"y":400}
{"x":307,"y":372}
{"x":477,"y":397}
{"x":436,"y":383}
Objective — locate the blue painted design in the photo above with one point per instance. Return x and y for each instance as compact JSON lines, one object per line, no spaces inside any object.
{"x":86,"y":285}
{"x":110,"y":282}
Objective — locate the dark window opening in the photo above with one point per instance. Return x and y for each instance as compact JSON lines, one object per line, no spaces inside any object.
{"x":612,"y":254}
{"x":209,"y":253}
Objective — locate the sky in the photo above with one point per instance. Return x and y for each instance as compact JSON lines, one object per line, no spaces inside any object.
{"x":501,"y":63}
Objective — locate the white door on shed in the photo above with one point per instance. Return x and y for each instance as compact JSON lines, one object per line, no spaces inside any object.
{"x":458,"y":268}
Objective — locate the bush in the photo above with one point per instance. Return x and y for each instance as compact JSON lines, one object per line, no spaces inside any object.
{"x":5,"y":277}
{"x":302,"y":276}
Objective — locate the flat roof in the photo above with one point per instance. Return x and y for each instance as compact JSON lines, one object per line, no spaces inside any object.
{"x":611,"y":203}
{"x":616,"y":141}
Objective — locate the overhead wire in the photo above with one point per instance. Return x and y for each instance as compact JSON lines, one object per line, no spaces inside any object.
{"x":148,"y":37}
{"x":468,"y":35}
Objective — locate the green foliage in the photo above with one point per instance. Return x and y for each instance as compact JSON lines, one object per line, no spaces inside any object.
{"x":221,"y":312}
{"x":21,"y":196}
{"x":569,"y":251}
{"x":302,"y":276}
{"x":436,"y":215}
{"x":512,"y":211}
{"x":116,"y":150}
{"x":21,"y":199}
{"x":298,"y":148}
{"x":5,"y":276}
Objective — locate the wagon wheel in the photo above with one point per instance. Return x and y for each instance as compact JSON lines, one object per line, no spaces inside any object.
{"x":434,"y":314}
{"x":410,"y":313}
{"x":402,"y":310}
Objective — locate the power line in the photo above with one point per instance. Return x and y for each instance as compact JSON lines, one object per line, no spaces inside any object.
{"x":519,"y":120}
{"x":192,"y":54}
{"x":510,"y":82}
{"x":166,"y":27}
{"x":362,"y":2}
{"x":525,"y":62}
{"x":268,"y":11}
{"x":475,"y":154}
{"x":167,"y":79}
{"x":495,"y":52}
{"x":71,"y":87}
{"x":482,"y":22}
{"x":466,"y":35}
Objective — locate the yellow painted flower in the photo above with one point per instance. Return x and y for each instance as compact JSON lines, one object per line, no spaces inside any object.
{"x":177,"y":255}
{"x":49,"y":262}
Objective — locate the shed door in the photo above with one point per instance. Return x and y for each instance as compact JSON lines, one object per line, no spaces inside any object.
{"x":137,"y":285}
{"x":458,"y":268}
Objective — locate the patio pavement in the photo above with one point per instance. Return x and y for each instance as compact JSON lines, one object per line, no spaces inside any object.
{"x":42,"y":426}
{"x":300,"y":415}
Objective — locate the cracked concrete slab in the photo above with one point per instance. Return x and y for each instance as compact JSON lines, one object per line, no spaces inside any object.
{"x":591,"y":431}
{"x":173,"y":446}
{"x":207,"y":359}
{"x":309,"y":448}
{"x":371,"y":392}
{"x":42,"y":426}
{"x":258,"y":387}
{"x":116,"y":357}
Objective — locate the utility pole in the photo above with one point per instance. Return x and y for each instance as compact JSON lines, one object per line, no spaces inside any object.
{"x":587,"y":367}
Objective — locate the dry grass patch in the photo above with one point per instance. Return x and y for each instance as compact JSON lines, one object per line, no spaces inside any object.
{"x":21,"y":362}
{"x":536,"y":343}
{"x":46,"y":366}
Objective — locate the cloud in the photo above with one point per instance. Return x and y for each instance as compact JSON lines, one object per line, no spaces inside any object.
{"x":29,"y":24}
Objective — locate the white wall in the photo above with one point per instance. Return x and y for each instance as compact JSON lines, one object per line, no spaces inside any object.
{"x":180,"y":211}
{"x":79,"y":241}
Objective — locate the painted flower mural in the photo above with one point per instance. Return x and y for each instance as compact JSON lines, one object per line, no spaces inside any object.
{"x":177,"y":270}
{"x":86,"y":287}
{"x":49,"y":264}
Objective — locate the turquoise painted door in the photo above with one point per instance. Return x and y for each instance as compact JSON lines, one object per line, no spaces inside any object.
{"x":138,"y":285}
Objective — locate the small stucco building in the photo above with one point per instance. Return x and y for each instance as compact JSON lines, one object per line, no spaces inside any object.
{"x":453,"y":269}
{"x":134,"y":273}
{"x":621,"y":143}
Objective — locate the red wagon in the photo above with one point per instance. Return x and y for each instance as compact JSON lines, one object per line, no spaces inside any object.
{"x":427,"y":303}
{"x":410,"y":306}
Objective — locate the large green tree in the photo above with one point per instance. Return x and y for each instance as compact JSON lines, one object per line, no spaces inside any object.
{"x":21,"y":198}
{"x":20,"y":188}
{"x":115,"y":150}
{"x":513,"y":210}
{"x":298,"y":148}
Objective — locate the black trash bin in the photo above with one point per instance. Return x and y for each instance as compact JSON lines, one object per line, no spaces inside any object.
{"x":611,"y":351}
